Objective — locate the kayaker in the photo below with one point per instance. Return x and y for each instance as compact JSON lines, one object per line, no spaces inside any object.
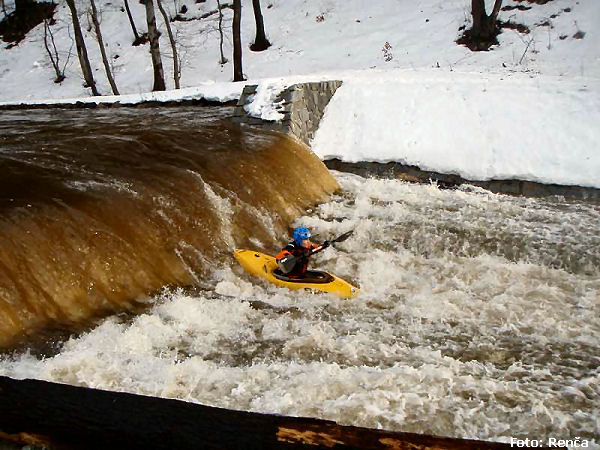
{"x":293,"y":258}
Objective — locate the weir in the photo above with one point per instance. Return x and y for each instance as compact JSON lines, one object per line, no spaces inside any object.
{"x":99,"y":210}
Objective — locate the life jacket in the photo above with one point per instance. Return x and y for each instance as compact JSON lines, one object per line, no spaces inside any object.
{"x":303,"y":255}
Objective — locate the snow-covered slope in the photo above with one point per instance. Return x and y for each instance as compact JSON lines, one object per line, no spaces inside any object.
{"x":309,"y":37}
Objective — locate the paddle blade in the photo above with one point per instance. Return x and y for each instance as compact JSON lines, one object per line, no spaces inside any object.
{"x":343,"y":237}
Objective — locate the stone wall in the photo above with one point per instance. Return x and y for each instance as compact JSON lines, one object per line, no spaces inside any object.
{"x":302,"y":106}
{"x":450,"y":181}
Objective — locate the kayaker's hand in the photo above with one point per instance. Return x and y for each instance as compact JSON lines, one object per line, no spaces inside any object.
{"x":325,"y":245}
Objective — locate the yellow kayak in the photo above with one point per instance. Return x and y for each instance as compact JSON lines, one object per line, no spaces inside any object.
{"x":265,"y":266}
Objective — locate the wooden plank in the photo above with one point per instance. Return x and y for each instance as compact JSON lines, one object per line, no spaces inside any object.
{"x":64,"y":416}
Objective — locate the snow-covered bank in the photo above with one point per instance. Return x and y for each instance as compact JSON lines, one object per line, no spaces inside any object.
{"x":481,"y":127}
{"x":308,"y":37}
{"x":214,"y":92}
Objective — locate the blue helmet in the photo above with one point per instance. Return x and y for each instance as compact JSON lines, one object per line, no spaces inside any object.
{"x":301,"y":234}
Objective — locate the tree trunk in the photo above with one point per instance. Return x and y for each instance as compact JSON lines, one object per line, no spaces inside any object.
{"x":176,"y":72}
{"x":84,"y":61}
{"x":136,"y":36}
{"x":111,"y":80}
{"x":484,"y":26}
{"x":21,"y":5}
{"x":223,"y":60}
{"x":495,"y":11}
{"x":260,"y":41}
{"x":238,"y":73}
{"x":159,"y":76}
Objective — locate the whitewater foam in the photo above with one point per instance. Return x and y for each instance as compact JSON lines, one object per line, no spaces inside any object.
{"x":453,"y":334}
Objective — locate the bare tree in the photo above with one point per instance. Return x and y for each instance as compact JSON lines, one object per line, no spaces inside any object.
{"x":238,"y":74}
{"x":96,"y":23}
{"x":136,"y":36}
{"x":176,"y":69}
{"x":84,"y":61}
{"x":50,"y":46}
{"x":260,"y":41}
{"x":3,"y":6}
{"x":159,"y":76}
{"x":223,"y":60}
{"x":485,"y":28}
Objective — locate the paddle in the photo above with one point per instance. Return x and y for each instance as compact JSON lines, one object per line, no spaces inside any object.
{"x":289,"y":262}
{"x":342,"y":237}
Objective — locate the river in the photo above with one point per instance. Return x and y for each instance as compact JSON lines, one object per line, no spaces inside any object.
{"x":478,"y":312}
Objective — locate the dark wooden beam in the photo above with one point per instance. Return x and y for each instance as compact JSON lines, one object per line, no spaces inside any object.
{"x":70,"y":417}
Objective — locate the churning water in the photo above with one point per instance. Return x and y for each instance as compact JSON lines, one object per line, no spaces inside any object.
{"x":478,"y":317}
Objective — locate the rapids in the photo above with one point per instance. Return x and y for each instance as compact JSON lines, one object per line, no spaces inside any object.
{"x":478,"y":316}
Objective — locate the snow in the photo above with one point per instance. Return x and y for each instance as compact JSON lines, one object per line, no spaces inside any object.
{"x":217,"y":92}
{"x":528,"y":109}
{"x":263,"y":104}
{"x":480,"y":127}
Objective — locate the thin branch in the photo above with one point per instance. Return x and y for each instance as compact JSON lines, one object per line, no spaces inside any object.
{"x":525,"y":52}
{"x":136,"y":36}
{"x":109,"y":75}
{"x":176,"y":70}
{"x":52,"y":53}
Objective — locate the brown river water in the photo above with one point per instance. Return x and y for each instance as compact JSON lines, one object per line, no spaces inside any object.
{"x":99,"y":209}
